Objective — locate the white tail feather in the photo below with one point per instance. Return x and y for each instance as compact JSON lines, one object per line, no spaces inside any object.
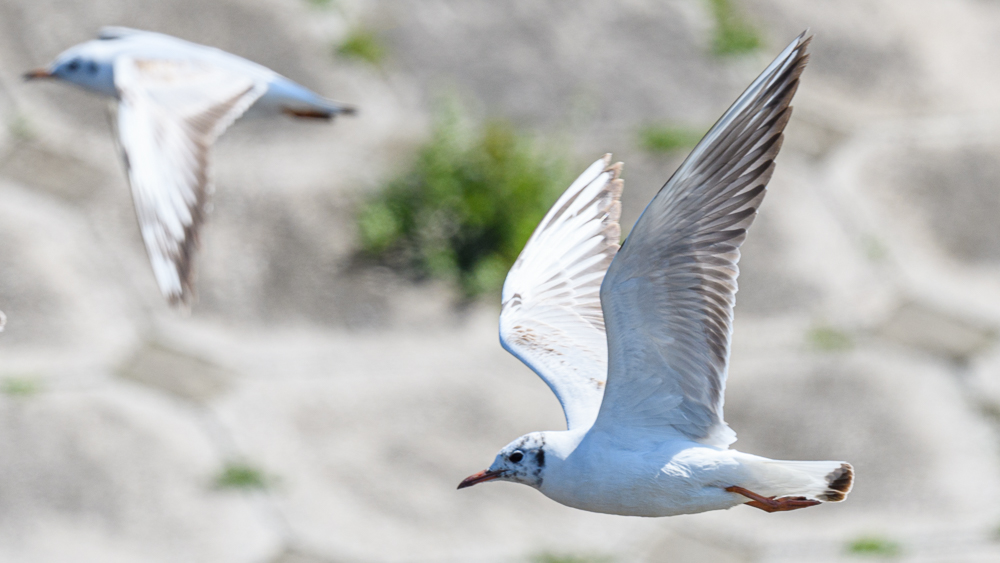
{"x":827,"y":481}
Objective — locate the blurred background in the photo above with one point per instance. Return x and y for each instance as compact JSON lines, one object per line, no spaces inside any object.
{"x":340,"y":373}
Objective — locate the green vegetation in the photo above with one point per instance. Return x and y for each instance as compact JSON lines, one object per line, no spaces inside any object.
{"x":364,"y":45}
{"x":552,"y":558}
{"x":20,"y":386}
{"x":465,"y":207}
{"x":322,"y":3}
{"x":20,"y":128}
{"x":241,"y":475}
{"x":733,"y":34}
{"x":829,"y":339}
{"x":874,"y":249}
{"x":668,"y":138}
{"x":874,"y":546}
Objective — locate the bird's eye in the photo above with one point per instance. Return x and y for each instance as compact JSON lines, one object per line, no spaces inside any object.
{"x":73,"y":65}
{"x":92,"y":67}
{"x":516,"y":457}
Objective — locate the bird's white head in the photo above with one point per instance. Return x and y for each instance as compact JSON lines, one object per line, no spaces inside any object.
{"x":521,"y":461}
{"x":89,"y":65}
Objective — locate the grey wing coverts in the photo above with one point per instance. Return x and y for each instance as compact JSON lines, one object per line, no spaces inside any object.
{"x":668,"y":295}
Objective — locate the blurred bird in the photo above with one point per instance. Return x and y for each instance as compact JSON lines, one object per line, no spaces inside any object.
{"x":653,"y":320}
{"x":174,"y":100}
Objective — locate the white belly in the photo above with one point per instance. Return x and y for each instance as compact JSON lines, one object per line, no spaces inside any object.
{"x":675,"y":478}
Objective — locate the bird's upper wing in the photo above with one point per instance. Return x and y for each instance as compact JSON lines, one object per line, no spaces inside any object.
{"x":551,"y":318}
{"x":669,"y":293}
{"x":169,"y":114}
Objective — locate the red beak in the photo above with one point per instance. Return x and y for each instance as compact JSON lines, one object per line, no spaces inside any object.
{"x":37,"y":73}
{"x":480,"y":477}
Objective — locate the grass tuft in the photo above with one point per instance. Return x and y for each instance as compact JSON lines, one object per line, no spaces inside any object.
{"x":668,"y":138}
{"x":874,"y":249}
{"x":20,"y":386}
{"x":20,"y":128}
{"x":364,"y":45}
{"x":241,"y":475}
{"x":733,"y":34}
{"x":322,"y":3}
{"x":874,"y":546}
{"x":829,"y":339}
{"x":465,"y":207}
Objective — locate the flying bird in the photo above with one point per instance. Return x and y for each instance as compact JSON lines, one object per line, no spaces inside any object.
{"x":174,"y":100}
{"x":634,"y":341}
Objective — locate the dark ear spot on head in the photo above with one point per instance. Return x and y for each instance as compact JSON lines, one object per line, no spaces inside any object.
{"x":540,"y":457}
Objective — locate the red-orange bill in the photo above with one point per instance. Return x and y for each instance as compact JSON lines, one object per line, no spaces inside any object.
{"x":37,"y":73}
{"x":480,"y":477}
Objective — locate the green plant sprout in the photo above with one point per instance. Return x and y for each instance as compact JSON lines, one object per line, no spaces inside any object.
{"x":668,"y":138}
{"x":241,"y":475}
{"x":874,"y":546}
{"x":829,"y":339}
{"x":364,"y":45}
{"x":875,"y":250}
{"x":20,"y":386}
{"x":20,"y":128}
{"x":733,"y":34}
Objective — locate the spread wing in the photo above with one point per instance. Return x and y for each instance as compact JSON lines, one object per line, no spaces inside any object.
{"x":668,"y":296}
{"x":551,"y":318}
{"x":169,"y":114}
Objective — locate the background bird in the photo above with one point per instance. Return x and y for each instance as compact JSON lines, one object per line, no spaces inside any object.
{"x":174,"y":100}
{"x":635,"y":341}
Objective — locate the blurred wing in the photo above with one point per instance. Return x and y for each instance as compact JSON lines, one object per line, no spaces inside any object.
{"x":668,"y":296}
{"x":551,"y":318}
{"x":169,"y":114}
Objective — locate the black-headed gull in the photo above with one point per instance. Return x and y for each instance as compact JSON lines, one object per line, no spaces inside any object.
{"x":174,"y":100}
{"x":653,"y":320}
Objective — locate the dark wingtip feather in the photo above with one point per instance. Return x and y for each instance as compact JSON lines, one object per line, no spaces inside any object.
{"x":839,"y":483}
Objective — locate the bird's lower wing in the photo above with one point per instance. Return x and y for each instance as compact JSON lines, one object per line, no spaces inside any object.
{"x":169,"y":114}
{"x":668,"y":296}
{"x":551,"y":318}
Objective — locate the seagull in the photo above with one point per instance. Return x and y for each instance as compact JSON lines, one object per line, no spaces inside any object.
{"x":634,"y":341}
{"x":174,"y":100}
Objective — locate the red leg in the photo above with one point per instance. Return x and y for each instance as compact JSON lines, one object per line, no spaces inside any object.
{"x":772,"y":504}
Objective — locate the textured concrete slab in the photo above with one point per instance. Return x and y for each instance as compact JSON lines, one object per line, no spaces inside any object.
{"x":121,"y":474}
{"x":365,"y":398}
